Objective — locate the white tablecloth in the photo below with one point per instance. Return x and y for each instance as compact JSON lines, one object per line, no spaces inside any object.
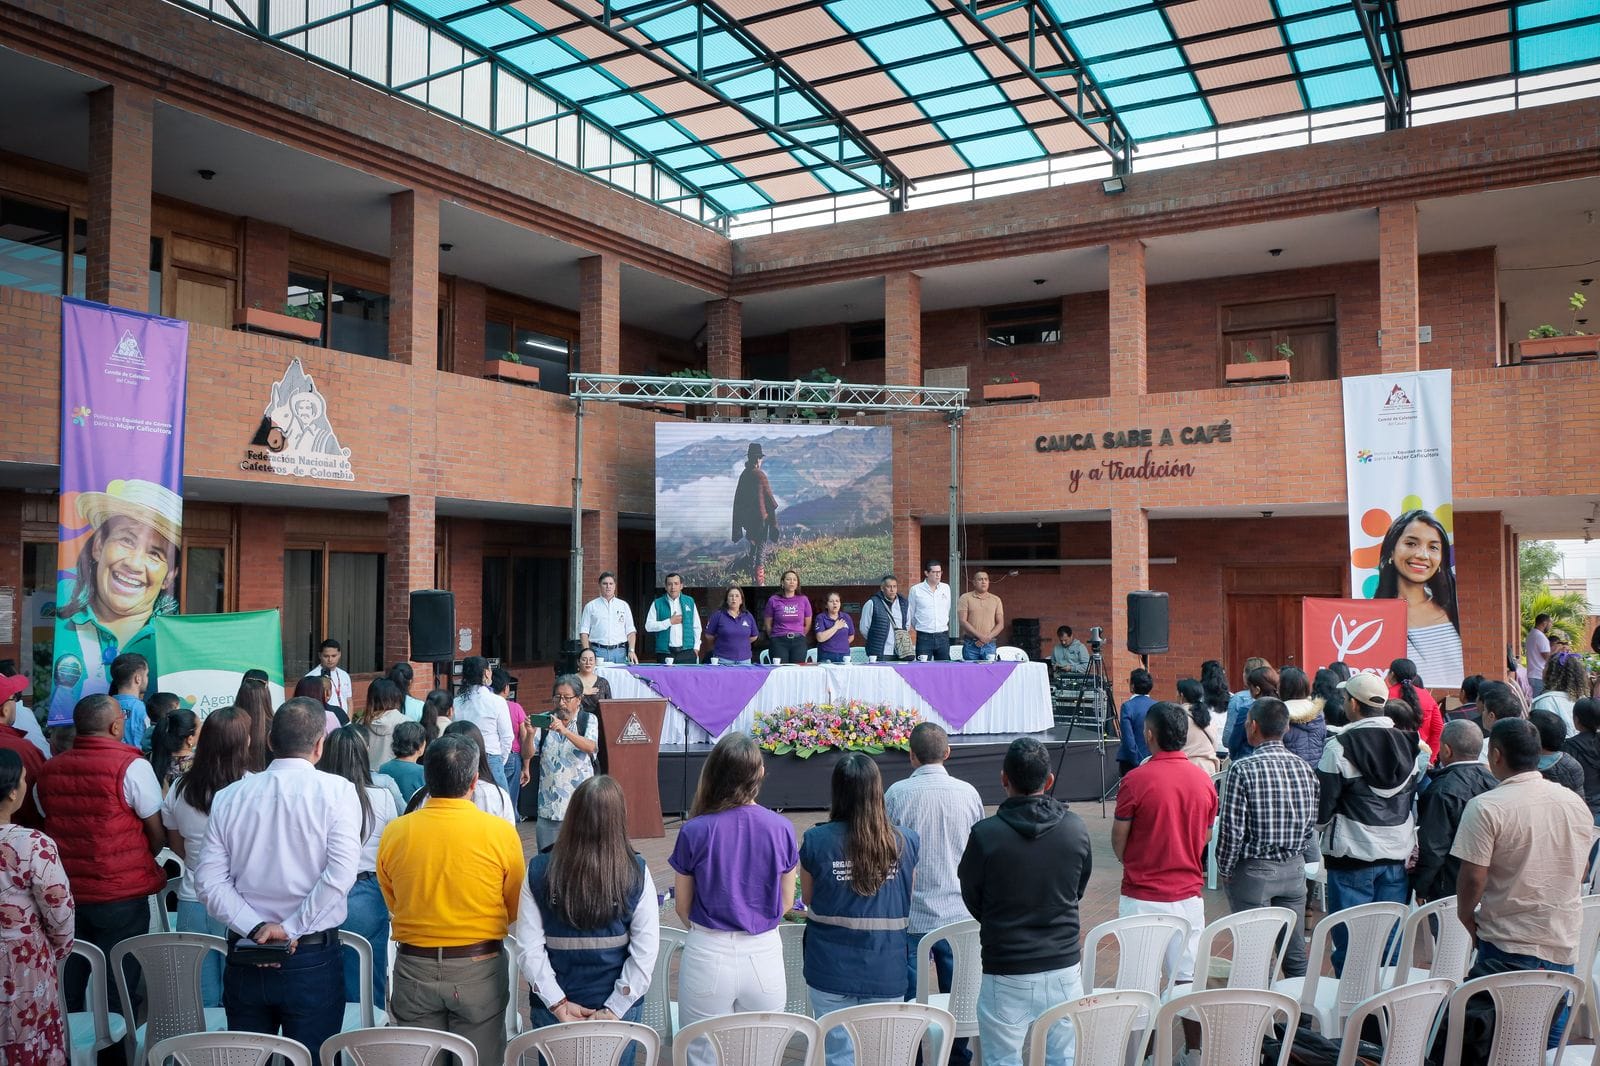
{"x":1020,"y":705}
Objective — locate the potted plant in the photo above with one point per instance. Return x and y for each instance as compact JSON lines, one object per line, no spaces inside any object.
{"x":1254,"y":369}
{"x":1547,"y":342}
{"x":508,"y":366}
{"x":817,"y":387}
{"x":301,"y":322}
{"x":1008,"y":388}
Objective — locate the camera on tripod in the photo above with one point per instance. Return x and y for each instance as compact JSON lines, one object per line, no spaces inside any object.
{"x":1097,"y":637}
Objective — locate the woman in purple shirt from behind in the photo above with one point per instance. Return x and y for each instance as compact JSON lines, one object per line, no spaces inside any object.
{"x":834,"y":630}
{"x":732,"y":630}
{"x":736,"y":864}
{"x":788,"y":620}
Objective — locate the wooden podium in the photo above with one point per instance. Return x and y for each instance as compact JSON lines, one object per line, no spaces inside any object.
{"x":631,"y":730}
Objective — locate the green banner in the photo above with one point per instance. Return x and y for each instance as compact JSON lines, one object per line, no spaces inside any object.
{"x":203,"y":657}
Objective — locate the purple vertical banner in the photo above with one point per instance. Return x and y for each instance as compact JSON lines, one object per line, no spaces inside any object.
{"x":123,"y":376}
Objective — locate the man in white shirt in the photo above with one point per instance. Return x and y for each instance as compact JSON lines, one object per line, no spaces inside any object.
{"x":675,"y":621}
{"x":1537,"y":646}
{"x":607,"y":624}
{"x":280,"y":856}
{"x":328,"y":656}
{"x":930,"y":613}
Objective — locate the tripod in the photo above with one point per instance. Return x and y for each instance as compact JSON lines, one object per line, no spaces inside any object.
{"x":1097,"y":688}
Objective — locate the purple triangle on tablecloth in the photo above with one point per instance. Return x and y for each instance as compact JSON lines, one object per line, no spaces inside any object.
{"x":957,"y":691}
{"x":712,"y":697}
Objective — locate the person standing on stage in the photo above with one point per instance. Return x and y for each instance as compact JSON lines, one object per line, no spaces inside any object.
{"x":755,"y":513}
{"x":929,"y":620}
{"x":675,"y":621}
{"x":834,"y":632}
{"x":732,"y":630}
{"x":607,"y":624}
{"x":982,"y":617}
{"x":787,"y":620}
{"x":882,"y":617}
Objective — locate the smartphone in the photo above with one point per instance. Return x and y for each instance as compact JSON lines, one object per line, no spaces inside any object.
{"x":539,"y":721}
{"x":272,"y":945}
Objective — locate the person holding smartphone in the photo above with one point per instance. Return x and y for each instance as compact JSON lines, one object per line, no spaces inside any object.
{"x":566,"y":753}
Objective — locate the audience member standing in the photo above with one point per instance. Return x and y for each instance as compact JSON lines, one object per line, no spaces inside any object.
{"x":403,"y":676}
{"x":255,"y":699}
{"x":1368,"y":776}
{"x":173,"y":737}
{"x":1260,"y":682}
{"x":1537,"y":648}
{"x":383,"y":711}
{"x":452,"y":877}
{"x":14,"y":739}
{"x":856,"y":871}
{"x":130,"y":676}
{"x":344,"y":754}
{"x":102,"y":804}
{"x":589,"y":923}
{"x":438,"y":710}
{"x":1238,"y":704}
{"x":1308,"y":727}
{"x":566,"y":753}
{"x":1555,"y":764}
{"x":941,"y":810}
{"x":1201,"y":742}
{"x":1131,"y":747}
{"x":607,"y":624}
{"x":1585,"y":747}
{"x":409,"y":743}
{"x":485,"y":795}
{"x":929,"y":613}
{"x":1406,"y":684}
{"x":786,"y":617}
{"x":328,"y":655}
{"x":1165,"y":809}
{"x":674,"y":624}
{"x":500,"y":682}
{"x":1458,"y":779}
{"x":35,"y":930}
{"x":478,"y":704}
{"x":1522,"y":846}
{"x":735,"y":864}
{"x":1566,"y":681}
{"x":281,"y":854}
{"x":318,"y":687}
{"x":1022,"y":876}
{"x":982,"y":618}
{"x":1268,"y":819}
{"x":221,"y":757}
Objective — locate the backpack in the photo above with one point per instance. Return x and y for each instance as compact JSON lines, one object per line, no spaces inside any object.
{"x":1311,"y":1048}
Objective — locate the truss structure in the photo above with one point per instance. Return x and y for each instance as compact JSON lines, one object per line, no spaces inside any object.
{"x":767,"y":395}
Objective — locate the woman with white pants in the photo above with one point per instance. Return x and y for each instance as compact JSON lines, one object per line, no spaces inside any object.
{"x":736,"y":865}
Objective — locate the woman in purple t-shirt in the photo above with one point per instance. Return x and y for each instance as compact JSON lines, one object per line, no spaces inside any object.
{"x":834,"y":630}
{"x":736,"y":864}
{"x":732,"y":631}
{"x":787,"y":620}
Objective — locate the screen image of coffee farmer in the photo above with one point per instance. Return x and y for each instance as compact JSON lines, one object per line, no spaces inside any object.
{"x":125,"y":576}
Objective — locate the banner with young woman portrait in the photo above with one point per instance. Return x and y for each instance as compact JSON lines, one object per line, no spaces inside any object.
{"x":123,"y":376}
{"x":1402,"y":525}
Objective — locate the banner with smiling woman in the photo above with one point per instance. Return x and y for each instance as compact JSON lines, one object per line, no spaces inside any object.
{"x":123,"y":376}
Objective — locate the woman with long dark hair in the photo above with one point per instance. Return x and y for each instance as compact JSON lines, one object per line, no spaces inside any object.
{"x":1259,"y":681}
{"x":1308,"y":729}
{"x":478,"y":702}
{"x":591,"y":885}
{"x":735,"y":865}
{"x":344,"y":754}
{"x":1325,"y":687}
{"x":222,"y":755}
{"x":1417,"y":564}
{"x":402,"y":675}
{"x":486,"y":795}
{"x":172,"y":741}
{"x":1203,"y":739}
{"x":255,"y":699}
{"x":855,"y":877}
{"x":438,"y":711}
{"x":319,"y":687}
{"x":1405,"y":683}
{"x":379,"y":717}
{"x":1214,"y":689}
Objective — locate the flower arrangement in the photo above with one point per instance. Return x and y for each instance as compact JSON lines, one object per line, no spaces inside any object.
{"x":850,"y":725}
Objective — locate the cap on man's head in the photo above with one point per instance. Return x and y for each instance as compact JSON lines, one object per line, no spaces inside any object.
{"x":1367,"y":689}
{"x":11,"y":687}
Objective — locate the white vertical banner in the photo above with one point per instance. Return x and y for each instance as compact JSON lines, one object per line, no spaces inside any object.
{"x":1402,"y":522}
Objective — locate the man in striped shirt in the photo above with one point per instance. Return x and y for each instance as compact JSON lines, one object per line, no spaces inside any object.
{"x":1269,"y":811}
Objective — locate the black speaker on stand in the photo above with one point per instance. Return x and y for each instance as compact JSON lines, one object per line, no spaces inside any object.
{"x":433,"y":625}
{"x":1025,"y":635}
{"x":1147,"y":622}
{"x":568,"y":663}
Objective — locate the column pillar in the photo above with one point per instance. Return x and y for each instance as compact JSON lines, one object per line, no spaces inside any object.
{"x":1130,"y":572}
{"x":121,"y":154}
{"x":468,"y":306}
{"x":600,"y":314}
{"x":265,"y":250}
{"x":724,"y":338}
{"x":414,"y":277}
{"x":600,"y":352}
{"x":408,"y":566}
{"x":1128,"y":333}
{"x":1397,"y":287}
{"x":902,"y":328}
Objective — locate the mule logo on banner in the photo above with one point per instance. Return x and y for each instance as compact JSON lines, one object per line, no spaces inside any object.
{"x":1363,"y":634}
{"x":295,"y":438}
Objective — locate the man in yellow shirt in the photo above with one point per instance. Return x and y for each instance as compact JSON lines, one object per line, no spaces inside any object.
{"x":452,"y":876}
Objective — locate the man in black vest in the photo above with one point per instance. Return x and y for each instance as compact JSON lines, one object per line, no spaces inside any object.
{"x":881,"y":617}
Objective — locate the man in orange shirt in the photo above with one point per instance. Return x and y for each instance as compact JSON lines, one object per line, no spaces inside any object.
{"x":452,"y":876}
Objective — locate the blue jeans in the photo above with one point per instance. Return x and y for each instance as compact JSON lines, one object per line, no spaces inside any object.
{"x":513,"y":772}
{"x":839,"y":1050}
{"x":368,"y":915}
{"x":973,"y":652}
{"x":539,"y":1017}
{"x":1009,"y":1003}
{"x":611,"y":655}
{"x":497,"y":769}
{"x":192,"y":918}
{"x":943,"y":968}
{"x":1352,"y":886}
{"x":302,"y":998}
{"x":1492,"y":960}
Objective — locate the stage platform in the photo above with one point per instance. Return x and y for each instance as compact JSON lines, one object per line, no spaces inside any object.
{"x":803,"y":784}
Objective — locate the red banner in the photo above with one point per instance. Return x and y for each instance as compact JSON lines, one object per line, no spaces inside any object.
{"x":1360,"y":633}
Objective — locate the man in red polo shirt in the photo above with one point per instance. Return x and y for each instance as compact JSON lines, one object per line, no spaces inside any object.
{"x":1165,"y":809}
{"x":15,"y":739}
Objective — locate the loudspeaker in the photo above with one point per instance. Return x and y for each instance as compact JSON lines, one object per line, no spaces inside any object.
{"x":433,"y":625}
{"x":1147,"y":622}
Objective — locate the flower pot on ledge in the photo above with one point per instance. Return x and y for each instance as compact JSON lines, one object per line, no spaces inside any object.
{"x":1011,"y":392}
{"x":256,"y":320}
{"x":1540,"y":349}
{"x":1256,"y":373}
{"x":505,"y":370}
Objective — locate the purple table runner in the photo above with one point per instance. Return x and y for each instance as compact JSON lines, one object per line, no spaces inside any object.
{"x":956,"y":690}
{"x":710,"y":696}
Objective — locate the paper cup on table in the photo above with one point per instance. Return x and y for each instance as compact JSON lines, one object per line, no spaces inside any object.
{"x":991,"y":657}
{"x":776,"y":661}
{"x":922,"y":658}
{"x":667,"y":661}
{"x":872,"y":658}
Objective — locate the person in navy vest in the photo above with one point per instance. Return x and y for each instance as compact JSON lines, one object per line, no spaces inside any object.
{"x":589,"y":924}
{"x":882,"y":617}
{"x":855,"y":878}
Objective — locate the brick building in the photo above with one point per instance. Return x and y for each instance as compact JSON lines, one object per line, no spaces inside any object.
{"x":154,"y":159}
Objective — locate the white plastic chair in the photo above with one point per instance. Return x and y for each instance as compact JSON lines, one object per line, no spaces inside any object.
{"x":362,"y":1014}
{"x":891,"y":1034}
{"x":765,"y":658}
{"x":753,"y":1038}
{"x":164,"y":904}
{"x":659,"y":1009}
{"x":171,"y":963}
{"x":1525,"y":1002}
{"x":1370,"y":929}
{"x":858,"y":656}
{"x":583,"y":1043}
{"x":228,"y":1049}
{"x":1212,"y":872}
{"x":966,"y":975}
{"x":1260,"y":937}
{"x":1582,"y":1022}
{"x":1009,"y":654}
{"x":811,"y":655}
{"x":1406,"y":1014}
{"x":956,"y":653}
{"x":396,"y":1045}
{"x":94,"y":1029}
{"x":513,"y":952}
{"x":1143,"y":941}
{"x":1111,"y":1028}
{"x":1234,"y":1023}
{"x":797,"y":999}
{"x":1452,"y":947}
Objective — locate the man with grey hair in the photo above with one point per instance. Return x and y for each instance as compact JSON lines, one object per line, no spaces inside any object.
{"x":1460,"y":777}
{"x":566,"y":755}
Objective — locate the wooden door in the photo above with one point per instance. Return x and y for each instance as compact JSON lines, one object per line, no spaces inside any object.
{"x":203,"y":298}
{"x":1315,"y":358}
{"x":1265,"y":625}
